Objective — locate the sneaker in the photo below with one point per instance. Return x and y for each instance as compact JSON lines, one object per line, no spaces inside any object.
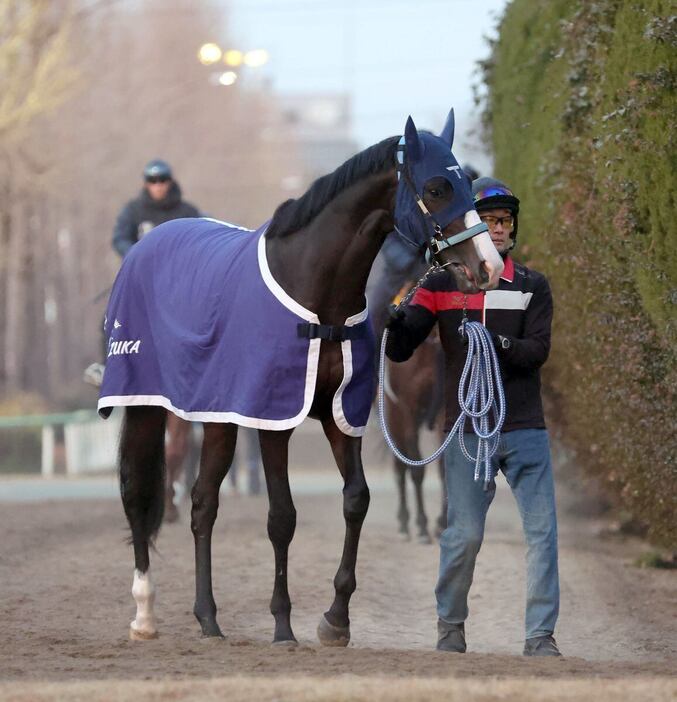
{"x":94,"y":374}
{"x":541,"y":646}
{"x":450,"y":637}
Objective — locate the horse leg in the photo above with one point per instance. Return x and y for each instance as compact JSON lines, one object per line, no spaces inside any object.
{"x":218,"y":447}
{"x":141,"y":488}
{"x":417,"y":475}
{"x":334,"y":627}
{"x":175,"y":453}
{"x":281,"y":525}
{"x":402,"y":511}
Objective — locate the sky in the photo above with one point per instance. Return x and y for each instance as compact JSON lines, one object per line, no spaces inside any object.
{"x":393,"y":57}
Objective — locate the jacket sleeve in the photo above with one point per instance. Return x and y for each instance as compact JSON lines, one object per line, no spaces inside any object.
{"x":531,"y":350}
{"x":406,"y":334}
{"x":125,"y":234}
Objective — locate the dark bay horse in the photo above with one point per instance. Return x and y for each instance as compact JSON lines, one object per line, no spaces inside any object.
{"x":318,"y":251}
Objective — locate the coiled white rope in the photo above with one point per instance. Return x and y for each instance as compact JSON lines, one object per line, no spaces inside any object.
{"x":480,"y":395}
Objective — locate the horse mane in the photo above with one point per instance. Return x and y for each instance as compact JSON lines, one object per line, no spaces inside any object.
{"x":295,"y":214}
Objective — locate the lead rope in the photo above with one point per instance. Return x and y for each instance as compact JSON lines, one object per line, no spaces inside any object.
{"x":480,"y":394}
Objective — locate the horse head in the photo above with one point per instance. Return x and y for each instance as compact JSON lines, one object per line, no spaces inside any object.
{"x":434,"y":209}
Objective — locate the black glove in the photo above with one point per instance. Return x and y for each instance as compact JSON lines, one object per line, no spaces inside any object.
{"x":464,"y":338}
{"x":395,"y":317}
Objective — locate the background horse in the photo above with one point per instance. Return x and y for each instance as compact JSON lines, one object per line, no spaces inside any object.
{"x":414,"y":400}
{"x":179,"y":461}
{"x":314,"y":259}
{"x":414,"y":396}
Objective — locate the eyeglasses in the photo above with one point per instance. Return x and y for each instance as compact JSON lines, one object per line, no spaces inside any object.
{"x":507,"y":222}
{"x":157,"y":179}
{"x":491,"y":191}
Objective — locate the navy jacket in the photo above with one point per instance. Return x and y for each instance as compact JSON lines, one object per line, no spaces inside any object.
{"x":520,"y":309}
{"x":143,"y":213}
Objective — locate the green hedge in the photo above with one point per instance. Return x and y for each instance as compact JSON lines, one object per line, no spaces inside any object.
{"x":581,"y":110}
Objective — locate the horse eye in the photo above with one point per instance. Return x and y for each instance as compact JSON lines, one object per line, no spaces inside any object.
{"x":435,"y":193}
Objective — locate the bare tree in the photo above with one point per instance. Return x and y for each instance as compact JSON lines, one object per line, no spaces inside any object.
{"x":35,"y":77}
{"x":66,"y":171}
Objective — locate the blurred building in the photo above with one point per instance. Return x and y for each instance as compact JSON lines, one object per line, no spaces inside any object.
{"x":321,"y":127}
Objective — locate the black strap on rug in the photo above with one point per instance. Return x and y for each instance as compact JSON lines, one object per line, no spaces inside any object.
{"x":308,"y":330}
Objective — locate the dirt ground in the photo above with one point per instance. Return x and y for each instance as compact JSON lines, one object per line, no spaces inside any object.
{"x":65,"y":607}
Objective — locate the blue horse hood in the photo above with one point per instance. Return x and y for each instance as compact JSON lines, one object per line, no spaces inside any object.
{"x":425,"y":156}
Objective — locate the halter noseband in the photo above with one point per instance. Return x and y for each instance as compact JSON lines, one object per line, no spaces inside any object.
{"x":434,"y":244}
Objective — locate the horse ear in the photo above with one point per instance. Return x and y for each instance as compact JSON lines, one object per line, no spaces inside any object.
{"x":447,"y":134}
{"x":412,"y":141}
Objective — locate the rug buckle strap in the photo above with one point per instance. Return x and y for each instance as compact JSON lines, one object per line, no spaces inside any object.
{"x":310,"y":330}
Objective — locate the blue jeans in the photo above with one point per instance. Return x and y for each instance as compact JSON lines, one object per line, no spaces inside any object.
{"x":524,"y":458}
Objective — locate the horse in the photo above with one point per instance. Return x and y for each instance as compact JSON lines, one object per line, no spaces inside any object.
{"x":179,"y":458}
{"x":190,"y":331}
{"x":414,"y":399}
{"x":413,"y":393}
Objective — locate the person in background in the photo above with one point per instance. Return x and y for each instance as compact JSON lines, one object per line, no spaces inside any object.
{"x":248,"y":454}
{"x":160,"y":200}
{"x":518,"y":314}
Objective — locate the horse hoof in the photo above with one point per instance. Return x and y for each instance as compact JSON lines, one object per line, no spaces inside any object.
{"x":212,"y":632}
{"x":211,"y":636}
{"x":137,"y":635}
{"x":330,"y":635}
{"x":404,"y":535}
{"x":424,"y":539}
{"x":210,"y":629}
{"x":287,"y":643}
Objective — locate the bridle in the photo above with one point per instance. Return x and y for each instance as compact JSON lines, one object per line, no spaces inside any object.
{"x":437,"y":242}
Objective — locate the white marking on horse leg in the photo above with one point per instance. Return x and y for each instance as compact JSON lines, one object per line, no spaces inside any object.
{"x":486,"y":250}
{"x":143,"y":591}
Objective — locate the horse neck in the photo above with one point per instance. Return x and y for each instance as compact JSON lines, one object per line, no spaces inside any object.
{"x":325,"y":265}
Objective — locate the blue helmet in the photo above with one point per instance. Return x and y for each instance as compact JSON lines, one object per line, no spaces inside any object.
{"x":157,"y":168}
{"x":491,"y":193}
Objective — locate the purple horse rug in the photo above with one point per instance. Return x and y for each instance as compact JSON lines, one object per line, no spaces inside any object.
{"x":197,"y":324}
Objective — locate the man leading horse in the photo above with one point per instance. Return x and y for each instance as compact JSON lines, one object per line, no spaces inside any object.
{"x":519,"y":315}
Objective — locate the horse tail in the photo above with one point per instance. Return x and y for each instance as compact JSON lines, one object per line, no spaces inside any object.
{"x":142,"y":470}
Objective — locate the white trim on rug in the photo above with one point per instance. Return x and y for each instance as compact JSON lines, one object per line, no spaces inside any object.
{"x":232,"y":417}
{"x":337,"y":403}
{"x":277,"y":290}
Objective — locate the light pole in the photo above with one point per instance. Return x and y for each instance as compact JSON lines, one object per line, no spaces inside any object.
{"x":210,"y":54}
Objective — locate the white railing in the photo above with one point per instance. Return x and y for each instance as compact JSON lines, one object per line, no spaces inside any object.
{"x":90,"y":443}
